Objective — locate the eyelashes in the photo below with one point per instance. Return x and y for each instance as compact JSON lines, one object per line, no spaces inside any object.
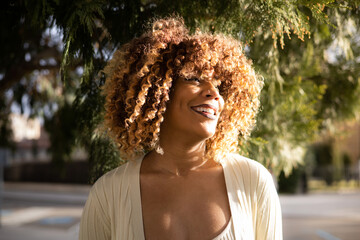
{"x":192,"y":80}
{"x":197,"y":80}
{"x":217,"y":84}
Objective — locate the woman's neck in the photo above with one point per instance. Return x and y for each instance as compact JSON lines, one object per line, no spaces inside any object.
{"x":178,"y":157}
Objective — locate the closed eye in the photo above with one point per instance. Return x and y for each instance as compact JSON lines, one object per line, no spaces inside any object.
{"x":192,"y":80}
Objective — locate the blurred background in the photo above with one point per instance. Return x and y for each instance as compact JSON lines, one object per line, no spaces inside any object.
{"x":52,"y":146}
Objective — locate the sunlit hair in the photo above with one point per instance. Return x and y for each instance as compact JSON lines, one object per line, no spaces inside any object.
{"x":141,"y":74}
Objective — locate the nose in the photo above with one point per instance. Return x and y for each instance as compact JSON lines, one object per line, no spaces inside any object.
{"x":210,"y":91}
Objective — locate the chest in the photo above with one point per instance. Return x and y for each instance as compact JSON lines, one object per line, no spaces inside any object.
{"x":191,"y":207}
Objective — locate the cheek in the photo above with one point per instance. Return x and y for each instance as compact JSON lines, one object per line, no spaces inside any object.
{"x":221,"y":103}
{"x":174,"y":110}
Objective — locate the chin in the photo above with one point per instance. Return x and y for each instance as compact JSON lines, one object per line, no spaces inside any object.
{"x":207,"y":133}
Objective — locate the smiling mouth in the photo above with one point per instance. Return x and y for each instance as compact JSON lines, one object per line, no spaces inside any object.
{"x":206,"y":112}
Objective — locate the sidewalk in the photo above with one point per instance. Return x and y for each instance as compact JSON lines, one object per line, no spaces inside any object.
{"x":38,"y":233}
{"x":52,"y":212}
{"x":48,"y":193}
{"x":46,"y":187}
{"x":36,"y":211}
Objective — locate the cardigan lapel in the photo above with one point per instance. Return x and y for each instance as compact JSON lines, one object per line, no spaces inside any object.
{"x":233,"y":198}
{"x":136,"y":209}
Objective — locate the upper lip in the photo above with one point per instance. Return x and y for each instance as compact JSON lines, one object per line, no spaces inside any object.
{"x":207,"y":106}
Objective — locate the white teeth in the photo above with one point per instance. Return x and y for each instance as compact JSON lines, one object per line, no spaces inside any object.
{"x":207,"y":110}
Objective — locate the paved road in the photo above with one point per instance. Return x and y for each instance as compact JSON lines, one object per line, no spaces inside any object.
{"x":329,"y":216}
{"x":44,"y":212}
{"x":41,"y":211}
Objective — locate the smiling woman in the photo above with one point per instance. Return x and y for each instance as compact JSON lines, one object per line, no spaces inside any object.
{"x":175,"y":105}
{"x":141,"y":74}
{"x":194,"y":109}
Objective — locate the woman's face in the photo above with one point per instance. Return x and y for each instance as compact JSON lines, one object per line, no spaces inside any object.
{"x":194,"y":108}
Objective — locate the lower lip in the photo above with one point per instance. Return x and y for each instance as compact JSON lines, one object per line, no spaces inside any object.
{"x":207,"y":115}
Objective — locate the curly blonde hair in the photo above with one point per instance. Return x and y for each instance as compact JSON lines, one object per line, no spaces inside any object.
{"x":140,"y":76}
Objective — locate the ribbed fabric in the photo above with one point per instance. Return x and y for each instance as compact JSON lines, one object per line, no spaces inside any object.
{"x":113,"y":209}
{"x":254,"y":203}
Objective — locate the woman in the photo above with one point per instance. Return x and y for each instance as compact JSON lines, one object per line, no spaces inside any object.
{"x":175,"y":104}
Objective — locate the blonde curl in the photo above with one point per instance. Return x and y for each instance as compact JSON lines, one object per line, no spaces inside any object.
{"x":141,"y":74}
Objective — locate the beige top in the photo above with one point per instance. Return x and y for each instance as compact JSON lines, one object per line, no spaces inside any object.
{"x":113,"y":209}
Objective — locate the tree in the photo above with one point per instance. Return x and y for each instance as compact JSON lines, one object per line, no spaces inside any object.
{"x":307,"y":52}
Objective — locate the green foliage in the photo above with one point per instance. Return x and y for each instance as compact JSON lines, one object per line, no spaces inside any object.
{"x":324,"y":158}
{"x":327,"y":90}
{"x":63,"y":141}
{"x":103,"y":155}
{"x":5,"y":126}
{"x":310,"y":80}
{"x":102,"y":159}
{"x":40,"y":11}
{"x":281,"y":142}
{"x":293,"y":183}
{"x":78,"y":28}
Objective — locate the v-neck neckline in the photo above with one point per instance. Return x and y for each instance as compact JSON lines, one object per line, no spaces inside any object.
{"x":137,"y":215}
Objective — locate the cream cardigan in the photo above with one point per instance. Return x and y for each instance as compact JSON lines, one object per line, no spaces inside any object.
{"x":113,"y":209}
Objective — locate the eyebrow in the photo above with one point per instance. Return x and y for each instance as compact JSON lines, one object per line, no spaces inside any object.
{"x":217,"y":81}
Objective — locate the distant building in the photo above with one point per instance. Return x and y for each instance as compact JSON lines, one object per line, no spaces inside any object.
{"x":348,"y":142}
{"x":25,"y":128}
{"x":32,"y":142}
{"x":31,"y":160}
{"x":338,"y":151}
{"x":347,"y":148}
